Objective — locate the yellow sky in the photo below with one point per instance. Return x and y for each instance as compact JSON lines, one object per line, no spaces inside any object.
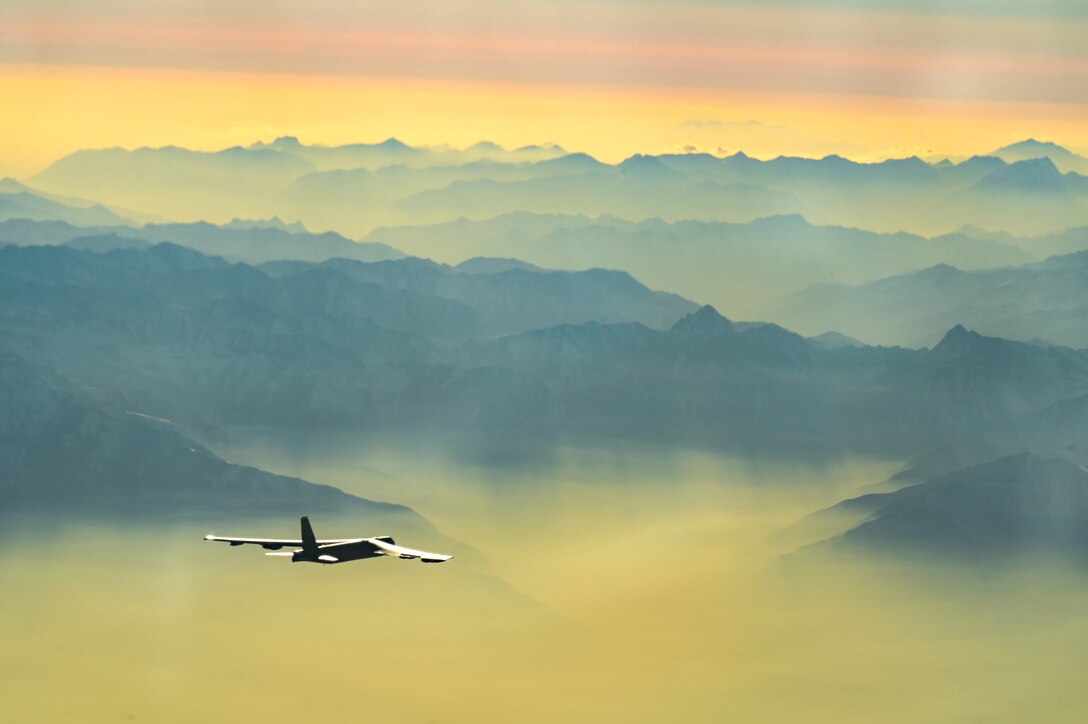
{"x":66,"y":108}
{"x":609,"y":77}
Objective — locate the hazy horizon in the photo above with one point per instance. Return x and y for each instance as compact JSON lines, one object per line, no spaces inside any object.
{"x":615,"y":156}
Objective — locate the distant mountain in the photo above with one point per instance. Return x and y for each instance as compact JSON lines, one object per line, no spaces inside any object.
{"x":514,"y":298}
{"x":106,"y":242}
{"x":393,"y":152}
{"x":492,"y":265}
{"x":358,"y":199}
{"x":988,"y":379}
{"x":259,"y":245}
{"x":1063,"y":159}
{"x":65,"y":444}
{"x":357,"y":188}
{"x":709,"y":380}
{"x":740,"y":267}
{"x":1042,"y":300}
{"x":834,"y":340}
{"x":1025,"y":197}
{"x":356,"y":155}
{"x":178,"y":183}
{"x":275,"y":222}
{"x":1062,"y":242}
{"x":242,"y":182}
{"x":24,"y":232}
{"x":706,"y":323}
{"x":254,"y":244}
{"x":21,"y":202}
{"x":644,"y":189}
{"x":1012,"y":506}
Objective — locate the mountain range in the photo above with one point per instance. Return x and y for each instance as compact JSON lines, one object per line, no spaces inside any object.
{"x":250,"y":242}
{"x":67,"y":444}
{"x":1064,"y":159}
{"x":410,"y":344}
{"x":1045,"y":302}
{"x":354,"y":189}
{"x":18,"y":201}
{"x":125,"y":339}
{"x":740,"y":267}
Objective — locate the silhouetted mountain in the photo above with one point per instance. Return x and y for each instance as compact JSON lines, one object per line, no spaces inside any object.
{"x":765,"y":385}
{"x":1042,"y":300}
{"x":1064,"y":159}
{"x":1033,"y":176}
{"x":106,"y":242}
{"x":514,"y":298}
{"x":739,"y":267}
{"x":274,"y":223}
{"x":65,"y":444}
{"x":705,"y":323}
{"x":241,"y":182}
{"x":989,"y":379}
{"x":21,"y":202}
{"x":834,"y":340}
{"x":356,"y":188}
{"x":266,"y":244}
{"x":253,"y":244}
{"x":25,"y":232}
{"x":358,"y":199}
{"x":1026,"y":197}
{"x":176,"y":182}
{"x":572,"y":163}
{"x":1058,"y":243}
{"x":637,"y":194}
{"x":1015,"y":505}
{"x":492,"y":265}
{"x":411,"y":344}
{"x":305,"y":331}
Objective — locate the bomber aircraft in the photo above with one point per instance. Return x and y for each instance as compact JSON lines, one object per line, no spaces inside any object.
{"x":340,"y":550}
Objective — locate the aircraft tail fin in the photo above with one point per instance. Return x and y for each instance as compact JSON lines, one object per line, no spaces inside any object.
{"x":309,"y":540}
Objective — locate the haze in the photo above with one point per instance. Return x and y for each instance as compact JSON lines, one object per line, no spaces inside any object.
{"x":656,"y":596}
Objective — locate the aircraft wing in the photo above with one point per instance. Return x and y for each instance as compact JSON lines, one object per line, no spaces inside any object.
{"x":382,"y":545}
{"x":269,"y":543}
{"x":396,"y":551}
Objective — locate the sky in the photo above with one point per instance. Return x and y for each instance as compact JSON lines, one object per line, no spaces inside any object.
{"x":886,"y":78}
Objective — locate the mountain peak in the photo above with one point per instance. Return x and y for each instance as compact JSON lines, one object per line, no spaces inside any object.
{"x":941,"y":272}
{"x":703,"y":323}
{"x":572,"y":160}
{"x":643,"y":165}
{"x":394,"y":144}
{"x":286,"y":142}
{"x":781,"y":222}
{"x":640,"y":159}
{"x":1030,"y":175}
{"x":957,"y":339}
{"x":488,"y":146}
{"x":10,"y":185}
{"x":1031,"y":145}
{"x":1065,"y":159}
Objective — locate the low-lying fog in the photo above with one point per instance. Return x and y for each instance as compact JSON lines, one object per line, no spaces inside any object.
{"x":620,"y":584}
